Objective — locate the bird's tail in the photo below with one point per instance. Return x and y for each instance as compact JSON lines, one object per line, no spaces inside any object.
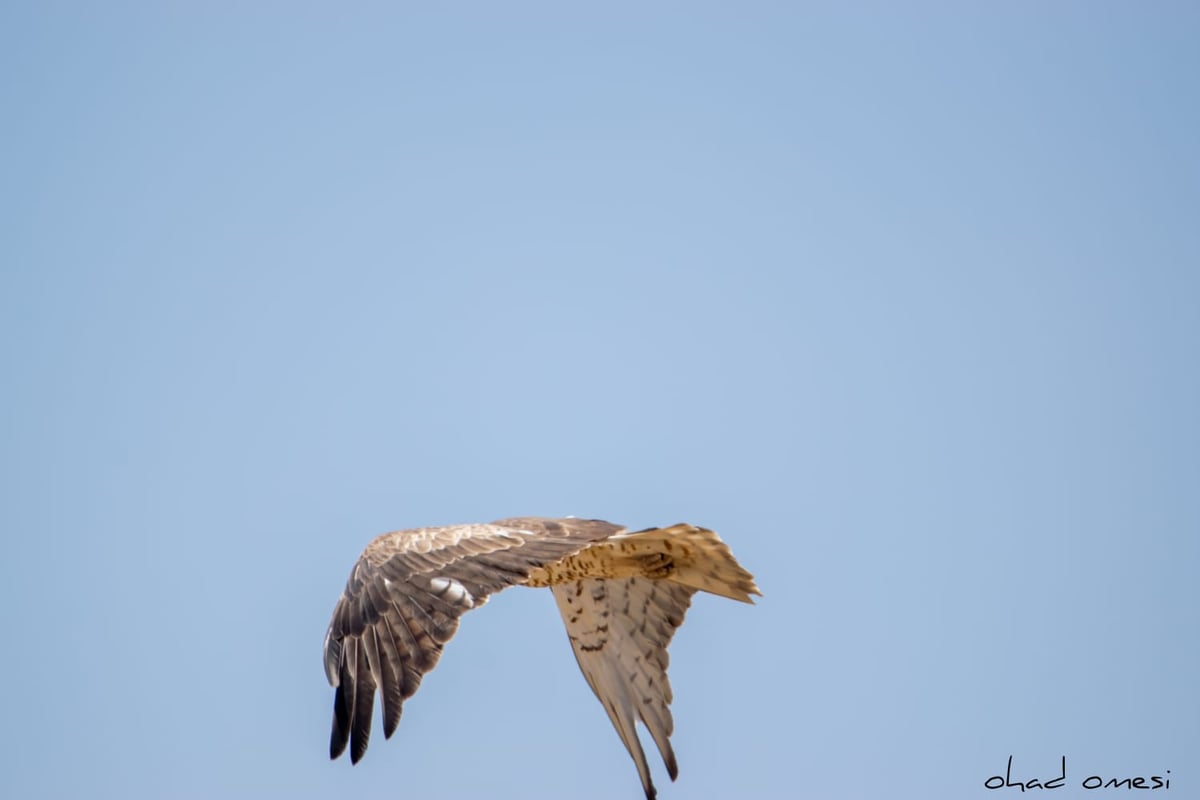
{"x":692,"y":556}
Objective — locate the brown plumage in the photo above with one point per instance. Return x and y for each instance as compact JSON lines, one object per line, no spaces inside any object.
{"x":621,"y":596}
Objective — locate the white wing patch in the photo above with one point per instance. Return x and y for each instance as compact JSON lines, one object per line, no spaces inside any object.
{"x":451,"y":591}
{"x":619,"y":630}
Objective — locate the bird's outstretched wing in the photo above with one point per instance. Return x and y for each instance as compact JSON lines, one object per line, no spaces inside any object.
{"x":620,"y":630}
{"x":403,"y":601}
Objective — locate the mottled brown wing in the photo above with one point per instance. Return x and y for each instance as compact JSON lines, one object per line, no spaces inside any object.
{"x":620,"y":629}
{"x":403,"y":601}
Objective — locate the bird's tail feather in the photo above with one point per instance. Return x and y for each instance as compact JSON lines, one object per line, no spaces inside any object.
{"x":697,"y":557}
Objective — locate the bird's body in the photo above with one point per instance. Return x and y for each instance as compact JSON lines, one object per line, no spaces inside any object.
{"x":621,"y":596}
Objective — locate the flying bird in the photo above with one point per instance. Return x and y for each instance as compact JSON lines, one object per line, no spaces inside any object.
{"x":621,"y":594}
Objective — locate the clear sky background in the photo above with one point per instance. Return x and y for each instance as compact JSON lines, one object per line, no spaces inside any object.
{"x":903,"y":304}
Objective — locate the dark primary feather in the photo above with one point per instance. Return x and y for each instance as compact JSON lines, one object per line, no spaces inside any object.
{"x":403,"y":601}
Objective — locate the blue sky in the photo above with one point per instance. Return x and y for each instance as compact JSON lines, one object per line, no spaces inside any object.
{"x":903,"y":304}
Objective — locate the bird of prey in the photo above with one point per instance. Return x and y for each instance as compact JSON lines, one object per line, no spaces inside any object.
{"x":621,"y":595}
